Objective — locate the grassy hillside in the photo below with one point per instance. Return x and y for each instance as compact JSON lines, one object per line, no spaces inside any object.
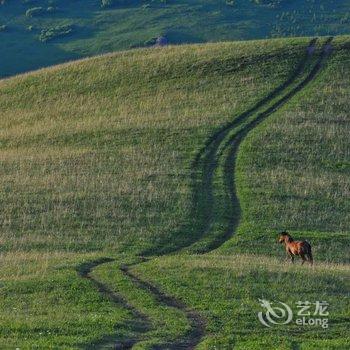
{"x":39,"y":33}
{"x":293,"y":171}
{"x":115,"y":157}
{"x":92,"y":149}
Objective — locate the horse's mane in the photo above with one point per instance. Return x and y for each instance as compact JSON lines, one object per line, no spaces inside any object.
{"x":290,"y":238}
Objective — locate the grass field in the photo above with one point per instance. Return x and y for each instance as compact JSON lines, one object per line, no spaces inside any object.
{"x":61,"y":30}
{"x":126,"y":155}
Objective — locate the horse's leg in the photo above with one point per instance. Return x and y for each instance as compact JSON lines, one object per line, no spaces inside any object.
{"x":302,"y":258}
{"x":291,"y":258}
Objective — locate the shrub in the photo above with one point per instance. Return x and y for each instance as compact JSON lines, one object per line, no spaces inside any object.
{"x":150,"y":42}
{"x":110,"y":3}
{"x":51,"y":9}
{"x":55,"y":32}
{"x":269,"y":3}
{"x":107,"y":3}
{"x":35,"y":11}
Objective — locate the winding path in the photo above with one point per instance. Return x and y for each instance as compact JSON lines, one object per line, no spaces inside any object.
{"x":220,"y":150}
{"x":142,"y":323}
{"x":232,"y":136}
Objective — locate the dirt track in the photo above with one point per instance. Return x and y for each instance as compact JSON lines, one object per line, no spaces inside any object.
{"x":223,"y":143}
{"x":142,"y":325}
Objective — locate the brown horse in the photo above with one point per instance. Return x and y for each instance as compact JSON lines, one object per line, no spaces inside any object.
{"x":294,"y":248}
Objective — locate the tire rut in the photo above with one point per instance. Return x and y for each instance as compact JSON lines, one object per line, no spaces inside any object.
{"x":206,"y":161}
{"x":204,"y":167}
{"x":196,"y":322}
{"x":235,"y":140}
{"x":142,"y":325}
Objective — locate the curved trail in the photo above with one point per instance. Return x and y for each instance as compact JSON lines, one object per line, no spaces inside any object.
{"x":197,"y":323}
{"x":142,"y":325}
{"x":225,"y":141}
{"x":231,"y":142}
{"x":206,"y":160}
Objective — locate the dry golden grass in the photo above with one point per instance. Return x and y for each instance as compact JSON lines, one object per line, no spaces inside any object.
{"x":96,"y":153}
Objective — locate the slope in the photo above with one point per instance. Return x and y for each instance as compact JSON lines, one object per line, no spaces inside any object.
{"x":96,"y":161}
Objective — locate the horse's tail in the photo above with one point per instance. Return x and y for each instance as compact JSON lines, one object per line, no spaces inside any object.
{"x":309,"y":253}
{"x":311,"y":259}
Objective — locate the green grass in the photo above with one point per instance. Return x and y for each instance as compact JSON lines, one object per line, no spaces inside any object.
{"x":296,"y":164}
{"x":96,"y":160}
{"x":45,"y":304}
{"x":95,"y":30}
{"x":226,"y":289}
{"x":82,"y":166}
{"x":167,"y":323}
{"x":293,"y":148}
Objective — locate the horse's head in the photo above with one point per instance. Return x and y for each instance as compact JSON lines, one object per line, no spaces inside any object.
{"x":284,"y":237}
